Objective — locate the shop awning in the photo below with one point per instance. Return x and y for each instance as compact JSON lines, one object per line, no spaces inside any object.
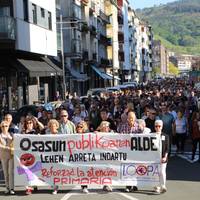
{"x":40,"y":67}
{"x":115,"y":77}
{"x":54,"y":66}
{"x":101,"y":73}
{"x":77,"y":76}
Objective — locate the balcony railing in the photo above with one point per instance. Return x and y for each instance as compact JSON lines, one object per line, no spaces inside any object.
{"x":107,"y":62}
{"x":104,"y":17}
{"x":93,"y":30}
{"x":7,"y":28}
{"x":85,"y":54}
{"x":120,"y":17}
{"x":85,"y":2}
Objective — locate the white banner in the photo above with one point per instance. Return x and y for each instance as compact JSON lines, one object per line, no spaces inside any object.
{"x":87,"y":159}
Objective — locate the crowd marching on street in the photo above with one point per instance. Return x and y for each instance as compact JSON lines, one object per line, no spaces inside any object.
{"x":168,"y":107}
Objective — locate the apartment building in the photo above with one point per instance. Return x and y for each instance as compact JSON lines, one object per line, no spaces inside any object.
{"x":145,"y":39}
{"x":27,"y":37}
{"x":160,"y":57}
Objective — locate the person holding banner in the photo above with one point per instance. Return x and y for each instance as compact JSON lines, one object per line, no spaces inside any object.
{"x":53,"y":126}
{"x":131,"y":126}
{"x":165,"y":151}
{"x":104,"y":127}
{"x":31,"y":126}
{"x":6,"y":157}
{"x":82,"y":128}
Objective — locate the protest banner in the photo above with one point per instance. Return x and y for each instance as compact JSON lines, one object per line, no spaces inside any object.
{"x":87,"y":159}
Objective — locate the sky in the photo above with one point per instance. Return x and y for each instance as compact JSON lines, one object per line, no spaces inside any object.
{"x":147,"y":3}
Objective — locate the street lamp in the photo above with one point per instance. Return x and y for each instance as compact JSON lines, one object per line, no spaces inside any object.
{"x":62,"y":57}
{"x":62,"y":47}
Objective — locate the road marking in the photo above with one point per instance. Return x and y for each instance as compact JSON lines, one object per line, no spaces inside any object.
{"x":72,"y":193}
{"x":67,"y":196}
{"x":127,"y":196}
{"x":186,"y":156}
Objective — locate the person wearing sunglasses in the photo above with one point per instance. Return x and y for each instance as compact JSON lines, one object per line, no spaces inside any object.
{"x":6,"y":157}
{"x":66,"y":126}
{"x":164,"y":158}
{"x":12,"y":127}
{"x":32,"y":126}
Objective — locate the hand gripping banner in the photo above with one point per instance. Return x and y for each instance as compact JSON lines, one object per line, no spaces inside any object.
{"x":87,"y":159}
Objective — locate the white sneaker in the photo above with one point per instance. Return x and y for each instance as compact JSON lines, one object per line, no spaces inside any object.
{"x":55,"y":192}
{"x":163,"y":189}
{"x":12,"y":192}
{"x":107,"y":188}
{"x":127,"y":190}
{"x":85,"y":190}
{"x":157,"y":190}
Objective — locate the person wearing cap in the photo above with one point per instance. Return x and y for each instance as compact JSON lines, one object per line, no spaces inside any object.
{"x":164,"y":158}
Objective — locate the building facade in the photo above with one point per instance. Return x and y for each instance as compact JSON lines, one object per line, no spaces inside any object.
{"x":160,"y":57}
{"x":27,"y":38}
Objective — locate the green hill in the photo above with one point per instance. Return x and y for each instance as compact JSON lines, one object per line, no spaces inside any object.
{"x":176,"y":24}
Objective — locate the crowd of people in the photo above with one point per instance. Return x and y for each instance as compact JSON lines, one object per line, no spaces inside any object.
{"x":169,"y":107}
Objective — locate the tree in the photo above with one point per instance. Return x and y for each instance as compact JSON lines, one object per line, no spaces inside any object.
{"x":156,"y":70}
{"x":173,"y":69}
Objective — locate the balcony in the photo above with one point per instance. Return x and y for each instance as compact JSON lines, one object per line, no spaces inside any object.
{"x":7,"y":32}
{"x":106,"y":62}
{"x":93,"y":30}
{"x":94,"y":56}
{"x":85,"y":2}
{"x":121,"y":56}
{"x":7,"y":28}
{"x":92,"y":8}
{"x":120,"y":17}
{"x":85,"y":54}
{"x":121,"y":47}
{"x":85,"y":28}
{"x":121,"y":37}
{"x":104,"y":17}
{"x":75,"y":51}
{"x":109,"y":41}
{"x":105,"y":40}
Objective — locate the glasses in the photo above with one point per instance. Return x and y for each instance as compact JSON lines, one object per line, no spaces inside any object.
{"x":63,"y":115}
{"x":158,"y":126}
{"x":79,"y":126}
{"x":153,"y":113}
{"x":4,"y":126}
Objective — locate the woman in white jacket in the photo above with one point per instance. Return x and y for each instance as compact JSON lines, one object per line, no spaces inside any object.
{"x":6,"y":156}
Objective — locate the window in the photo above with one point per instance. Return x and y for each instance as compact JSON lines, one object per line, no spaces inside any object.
{"x":4,"y":11}
{"x":49,"y":21}
{"x":34,"y":13}
{"x":42,"y":12}
{"x":25,"y":4}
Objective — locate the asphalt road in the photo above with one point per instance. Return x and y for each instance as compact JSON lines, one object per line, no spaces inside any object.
{"x":183,"y":183}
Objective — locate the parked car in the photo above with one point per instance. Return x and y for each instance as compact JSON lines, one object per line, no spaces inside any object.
{"x":96,"y":91}
{"x":132,"y":84}
{"x":23,"y":111}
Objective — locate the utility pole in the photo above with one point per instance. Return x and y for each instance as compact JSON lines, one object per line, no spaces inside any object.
{"x":62,"y":57}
